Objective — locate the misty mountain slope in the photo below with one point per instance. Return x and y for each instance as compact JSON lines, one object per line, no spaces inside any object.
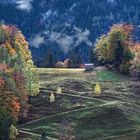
{"x":67,"y":27}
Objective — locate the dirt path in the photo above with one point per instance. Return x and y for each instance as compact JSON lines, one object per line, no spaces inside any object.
{"x":71,"y":111}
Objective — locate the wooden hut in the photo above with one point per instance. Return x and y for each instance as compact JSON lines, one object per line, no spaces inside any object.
{"x":89,"y":67}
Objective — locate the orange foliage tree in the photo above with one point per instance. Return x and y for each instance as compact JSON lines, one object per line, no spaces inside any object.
{"x":14,"y":78}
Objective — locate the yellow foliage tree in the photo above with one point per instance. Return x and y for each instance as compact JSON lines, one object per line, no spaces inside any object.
{"x":13,"y":132}
{"x":97,"y":89}
{"x":52,"y":98}
{"x":59,"y":90}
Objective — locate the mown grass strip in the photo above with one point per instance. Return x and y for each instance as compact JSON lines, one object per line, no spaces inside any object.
{"x":36,"y":135}
{"x":130,"y":136}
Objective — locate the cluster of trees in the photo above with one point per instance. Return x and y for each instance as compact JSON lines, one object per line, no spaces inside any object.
{"x":18,"y":80}
{"x":118,"y":50}
{"x":50,"y":57}
{"x":66,"y":64}
{"x":115,"y":47}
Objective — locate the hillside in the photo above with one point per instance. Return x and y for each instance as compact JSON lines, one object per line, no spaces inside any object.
{"x":78,"y":112}
{"x":67,"y":28}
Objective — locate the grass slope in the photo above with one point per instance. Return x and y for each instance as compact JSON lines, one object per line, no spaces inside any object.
{"x":114,"y":115}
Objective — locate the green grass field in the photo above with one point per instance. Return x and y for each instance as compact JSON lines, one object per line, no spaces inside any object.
{"x":114,"y":115}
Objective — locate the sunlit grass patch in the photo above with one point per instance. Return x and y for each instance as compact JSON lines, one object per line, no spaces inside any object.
{"x":105,"y":75}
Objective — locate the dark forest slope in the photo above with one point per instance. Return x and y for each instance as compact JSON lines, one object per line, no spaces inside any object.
{"x":68,"y":27}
